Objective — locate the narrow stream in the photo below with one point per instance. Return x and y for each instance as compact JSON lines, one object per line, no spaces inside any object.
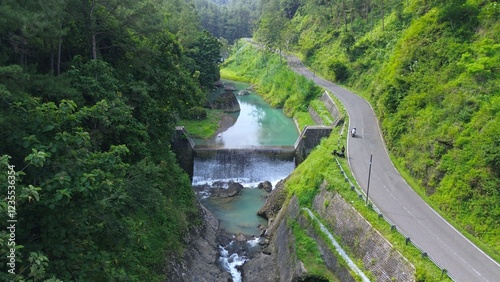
{"x":338,"y":248}
{"x":257,"y":125}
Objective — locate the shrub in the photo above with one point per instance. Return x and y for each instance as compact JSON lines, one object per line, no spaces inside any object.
{"x":196,"y":113}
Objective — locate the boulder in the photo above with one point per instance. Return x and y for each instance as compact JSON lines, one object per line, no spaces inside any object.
{"x":243,"y":92}
{"x":225,"y":277}
{"x":241,"y":237}
{"x":262,"y":268}
{"x":225,"y":189}
{"x":229,"y":87}
{"x":218,"y":84}
{"x":266,"y":185}
{"x":226,"y":102}
{"x":274,"y":202}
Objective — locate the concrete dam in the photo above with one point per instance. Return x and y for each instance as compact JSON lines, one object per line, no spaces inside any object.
{"x":186,"y":151}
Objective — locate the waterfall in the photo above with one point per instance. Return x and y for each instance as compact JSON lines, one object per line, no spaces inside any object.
{"x":248,"y":167}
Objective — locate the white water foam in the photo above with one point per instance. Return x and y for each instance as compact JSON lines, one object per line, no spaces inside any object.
{"x":247,"y":170}
{"x":230,"y":262}
{"x":253,"y":243}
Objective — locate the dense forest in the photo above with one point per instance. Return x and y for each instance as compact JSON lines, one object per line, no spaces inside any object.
{"x":227,"y":19}
{"x":89,"y":95}
{"x":90,"y":92}
{"x":430,"y":70}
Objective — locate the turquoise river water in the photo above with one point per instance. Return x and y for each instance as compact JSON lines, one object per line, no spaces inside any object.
{"x":257,"y":124}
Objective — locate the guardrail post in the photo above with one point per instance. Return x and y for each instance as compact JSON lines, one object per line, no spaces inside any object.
{"x":444,"y":271}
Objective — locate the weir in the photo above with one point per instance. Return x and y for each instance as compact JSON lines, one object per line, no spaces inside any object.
{"x":186,"y":151}
{"x":271,"y":152}
{"x":247,"y":166}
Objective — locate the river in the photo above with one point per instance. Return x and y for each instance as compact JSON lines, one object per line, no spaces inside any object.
{"x":257,"y":125}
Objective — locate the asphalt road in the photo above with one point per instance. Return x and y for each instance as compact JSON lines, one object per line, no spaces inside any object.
{"x":396,"y":199}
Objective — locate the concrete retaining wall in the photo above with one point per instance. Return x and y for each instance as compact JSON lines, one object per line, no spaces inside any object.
{"x":183,"y":147}
{"x":332,"y":262}
{"x":308,"y":139}
{"x":289,"y":267}
{"x":378,"y":255}
{"x":331,"y":107}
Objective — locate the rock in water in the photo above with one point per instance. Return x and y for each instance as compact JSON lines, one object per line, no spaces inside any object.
{"x":243,"y":92}
{"x":266,"y":185}
{"x":226,"y":102}
{"x":225,"y":189}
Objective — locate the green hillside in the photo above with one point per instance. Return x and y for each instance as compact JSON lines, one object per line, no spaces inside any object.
{"x":430,"y":70}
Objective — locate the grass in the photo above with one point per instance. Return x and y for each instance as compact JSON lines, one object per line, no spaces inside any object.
{"x":204,"y":128}
{"x":307,"y":251}
{"x":322,"y":111}
{"x":232,"y":75}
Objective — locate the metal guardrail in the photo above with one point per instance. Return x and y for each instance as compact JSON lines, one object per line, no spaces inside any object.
{"x":362,"y":196}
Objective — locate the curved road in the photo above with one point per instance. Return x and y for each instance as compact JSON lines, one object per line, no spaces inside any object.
{"x":396,"y":200}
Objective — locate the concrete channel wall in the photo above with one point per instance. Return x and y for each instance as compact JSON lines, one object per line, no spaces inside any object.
{"x":183,"y":147}
{"x":309,"y":138}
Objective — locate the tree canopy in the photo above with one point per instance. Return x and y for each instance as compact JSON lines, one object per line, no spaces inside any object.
{"x":232,"y":19}
{"x":89,"y":95}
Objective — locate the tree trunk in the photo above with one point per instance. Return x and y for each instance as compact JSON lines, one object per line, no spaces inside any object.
{"x":92,"y":30}
{"x":59,"y":47}
{"x":52,"y":56}
{"x":94,"y":47}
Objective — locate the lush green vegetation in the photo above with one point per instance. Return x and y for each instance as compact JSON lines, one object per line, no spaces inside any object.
{"x":308,"y":252}
{"x":430,"y":70}
{"x":89,"y":95}
{"x":306,"y":179}
{"x":305,"y":182}
{"x":275,"y":82}
{"x":205,"y":127}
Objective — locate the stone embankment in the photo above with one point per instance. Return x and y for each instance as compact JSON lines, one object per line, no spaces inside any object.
{"x":335,"y":114}
{"x":279,"y":261}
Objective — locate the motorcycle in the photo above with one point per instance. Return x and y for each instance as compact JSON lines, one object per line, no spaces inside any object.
{"x":353,"y":132}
